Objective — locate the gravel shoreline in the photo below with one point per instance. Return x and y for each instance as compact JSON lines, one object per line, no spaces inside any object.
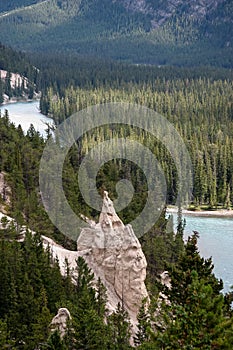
{"x":207,"y":213}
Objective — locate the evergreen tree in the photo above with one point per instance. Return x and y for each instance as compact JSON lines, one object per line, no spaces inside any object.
{"x":8,"y":88}
{"x":1,"y":91}
{"x":55,"y":342}
{"x":144,"y":325}
{"x":194,"y":314}
{"x":119,"y":329}
{"x":181,"y":273}
{"x":88,"y":311}
{"x":199,"y":322}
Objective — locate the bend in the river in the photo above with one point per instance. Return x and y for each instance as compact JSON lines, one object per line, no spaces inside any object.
{"x":25,"y":114}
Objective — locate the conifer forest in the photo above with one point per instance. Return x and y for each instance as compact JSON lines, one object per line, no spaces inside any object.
{"x":151,"y":54}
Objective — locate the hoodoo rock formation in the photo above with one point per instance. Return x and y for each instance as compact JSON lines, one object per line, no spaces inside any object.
{"x":114,"y":253}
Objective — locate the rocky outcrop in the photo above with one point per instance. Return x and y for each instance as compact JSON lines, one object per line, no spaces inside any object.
{"x":16,"y":79}
{"x":165,"y":279}
{"x":114,"y":253}
{"x":59,"y":322}
{"x":5,"y":192}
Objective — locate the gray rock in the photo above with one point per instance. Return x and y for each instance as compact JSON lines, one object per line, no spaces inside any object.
{"x":59,"y":322}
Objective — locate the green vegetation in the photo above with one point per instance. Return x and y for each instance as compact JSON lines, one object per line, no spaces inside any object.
{"x":32,"y":289}
{"x":193,"y":314}
{"x":106,"y":28}
{"x":197,"y":315}
{"x":201,"y":111}
{"x":16,"y":62}
{"x":19,"y":160}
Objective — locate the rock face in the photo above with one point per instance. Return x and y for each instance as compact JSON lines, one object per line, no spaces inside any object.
{"x":5,"y":192}
{"x":17,"y":80}
{"x":165,"y":279}
{"x":59,"y":322}
{"x":114,"y":253}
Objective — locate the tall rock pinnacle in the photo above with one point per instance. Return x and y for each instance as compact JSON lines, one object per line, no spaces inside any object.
{"x":114,"y":253}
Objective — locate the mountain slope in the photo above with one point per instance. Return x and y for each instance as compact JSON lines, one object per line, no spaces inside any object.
{"x":14,"y":4}
{"x":160,"y":10}
{"x":177,"y":32}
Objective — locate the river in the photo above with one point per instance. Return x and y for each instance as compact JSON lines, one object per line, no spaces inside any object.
{"x":27,"y":113}
{"x":216,"y":233}
{"x":216,"y":240}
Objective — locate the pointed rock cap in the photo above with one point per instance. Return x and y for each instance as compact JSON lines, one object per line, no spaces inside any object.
{"x":108,"y":216}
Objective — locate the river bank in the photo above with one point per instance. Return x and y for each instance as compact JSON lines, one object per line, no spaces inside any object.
{"x":20,"y":100}
{"x":26,"y":114}
{"x":203,"y":213}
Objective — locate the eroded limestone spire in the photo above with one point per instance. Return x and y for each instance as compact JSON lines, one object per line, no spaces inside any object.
{"x":114,"y":253}
{"x":108,"y":216}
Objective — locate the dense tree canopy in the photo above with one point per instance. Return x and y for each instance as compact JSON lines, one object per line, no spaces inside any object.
{"x":147,"y":34}
{"x":201,"y":111}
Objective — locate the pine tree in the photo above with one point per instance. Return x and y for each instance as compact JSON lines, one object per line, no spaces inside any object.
{"x":101,"y":298}
{"x":180,"y":222}
{"x":8,"y":88}
{"x":119,"y":329}
{"x":194,"y":313}
{"x":199,"y":322}
{"x":178,"y":244}
{"x":1,"y":91}
{"x":88,"y":311}
{"x":181,"y":273}
{"x":40,"y":327}
{"x":144,"y":325}
{"x":54,"y":342}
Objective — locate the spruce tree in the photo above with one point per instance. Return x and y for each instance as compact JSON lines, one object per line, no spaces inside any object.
{"x":199,"y":322}
{"x":194,"y":313}
{"x":88,"y":311}
{"x":144,"y":325}
{"x":119,"y":329}
{"x":54,"y":342}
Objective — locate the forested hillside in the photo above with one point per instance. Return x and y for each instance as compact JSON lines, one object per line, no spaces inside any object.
{"x":65,"y":70}
{"x":200,"y":109}
{"x":14,"y":4}
{"x":25,"y":81}
{"x":150,"y":32}
{"x":32,"y":288}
